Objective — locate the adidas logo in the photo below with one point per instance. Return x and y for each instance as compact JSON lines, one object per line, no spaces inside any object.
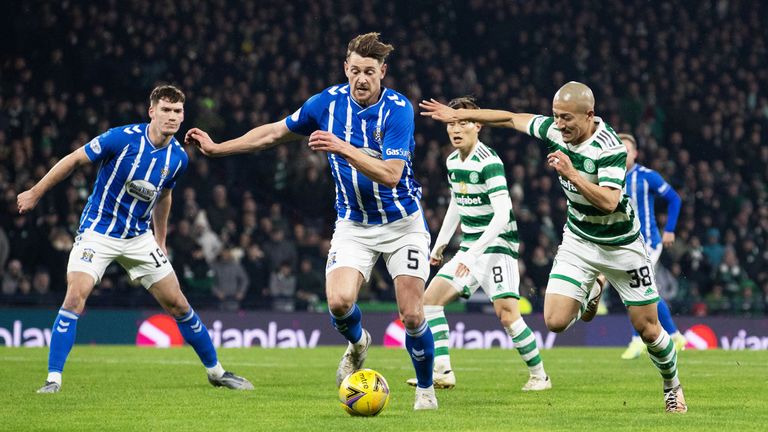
{"x":649,"y":291}
{"x":499,"y":287}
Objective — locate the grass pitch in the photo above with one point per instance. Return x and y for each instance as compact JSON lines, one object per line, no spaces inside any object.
{"x":129,"y":388}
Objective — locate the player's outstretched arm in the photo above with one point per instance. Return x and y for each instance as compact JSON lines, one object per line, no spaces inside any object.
{"x":160,"y":218}
{"x":495,"y":118}
{"x":255,"y":140}
{"x":27,"y":200}
{"x":447,"y":229}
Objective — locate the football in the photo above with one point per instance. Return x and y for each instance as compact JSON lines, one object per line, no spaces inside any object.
{"x":364,"y":393}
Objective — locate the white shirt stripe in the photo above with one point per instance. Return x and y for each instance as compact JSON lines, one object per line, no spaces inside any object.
{"x":106,"y":188}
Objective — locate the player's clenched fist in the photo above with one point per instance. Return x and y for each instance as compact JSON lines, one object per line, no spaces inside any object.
{"x":26,"y":201}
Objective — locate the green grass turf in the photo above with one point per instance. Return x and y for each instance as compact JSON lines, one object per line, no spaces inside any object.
{"x":129,"y":388}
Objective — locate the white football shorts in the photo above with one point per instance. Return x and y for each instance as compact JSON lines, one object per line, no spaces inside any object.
{"x":497,"y":274}
{"x":404,"y":244}
{"x":141,"y":256}
{"x":628,"y":268}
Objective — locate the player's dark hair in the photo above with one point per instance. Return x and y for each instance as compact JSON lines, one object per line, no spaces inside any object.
{"x":466,"y":102}
{"x":369,"y":45}
{"x":166,"y":92}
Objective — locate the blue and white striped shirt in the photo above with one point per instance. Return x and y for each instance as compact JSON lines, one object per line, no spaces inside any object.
{"x":383,"y":130}
{"x":642,"y":186}
{"x":132,"y":174}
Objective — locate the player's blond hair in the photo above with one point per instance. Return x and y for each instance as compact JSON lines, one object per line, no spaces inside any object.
{"x":624,"y":137}
{"x":369,"y":45}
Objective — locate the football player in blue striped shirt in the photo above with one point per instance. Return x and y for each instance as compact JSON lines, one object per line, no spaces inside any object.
{"x":643,"y":185}
{"x":139,"y":165}
{"x":367,"y":132}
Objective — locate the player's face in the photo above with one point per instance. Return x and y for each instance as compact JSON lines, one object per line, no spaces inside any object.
{"x":574,"y":123}
{"x":167,"y":116}
{"x":364,"y":75}
{"x":463,"y":134}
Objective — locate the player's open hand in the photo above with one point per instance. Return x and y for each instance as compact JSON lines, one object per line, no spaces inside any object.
{"x":668,"y":238}
{"x":325,"y":141}
{"x":201,"y":140}
{"x":26,"y":201}
{"x":562,"y":164}
{"x":437,"y":111}
{"x":461,"y":270}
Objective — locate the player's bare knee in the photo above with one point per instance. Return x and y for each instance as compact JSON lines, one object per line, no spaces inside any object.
{"x":412,"y":320}
{"x":178,"y":309}
{"x":339,"y":305}
{"x":649,"y":331}
{"x":556,"y":324}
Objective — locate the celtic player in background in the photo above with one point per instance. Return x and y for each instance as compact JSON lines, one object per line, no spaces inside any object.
{"x":602,"y":233}
{"x":488,"y":253}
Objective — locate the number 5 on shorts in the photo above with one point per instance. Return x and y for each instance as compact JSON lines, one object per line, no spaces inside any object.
{"x":413,"y":259}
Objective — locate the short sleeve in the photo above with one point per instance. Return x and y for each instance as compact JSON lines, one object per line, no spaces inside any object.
{"x":398,"y":133}
{"x":495,"y":180}
{"x":612,"y":167}
{"x":104,"y":146}
{"x":541,"y":127}
{"x":305,"y":120}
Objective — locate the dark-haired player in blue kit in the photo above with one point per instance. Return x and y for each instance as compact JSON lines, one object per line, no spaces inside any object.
{"x":367,"y":131}
{"x":138,"y":167}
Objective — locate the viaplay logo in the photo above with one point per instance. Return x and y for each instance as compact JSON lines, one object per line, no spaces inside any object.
{"x":394,"y":336}
{"x":701,"y":337}
{"x":159,"y":331}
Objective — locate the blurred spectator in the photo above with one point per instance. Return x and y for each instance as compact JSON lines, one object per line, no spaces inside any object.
{"x":282,"y":288}
{"x":4,"y":250}
{"x":230,"y":281}
{"x":220,"y":211}
{"x":256,"y":267}
{"x":197,"y":276}
{"x":281,"y":250}
{"x":310,"y":286}
{"x":14,"y":280}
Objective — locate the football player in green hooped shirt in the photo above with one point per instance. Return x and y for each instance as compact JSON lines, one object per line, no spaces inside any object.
{"x":488,"y":253}
{"x":602,"y":233}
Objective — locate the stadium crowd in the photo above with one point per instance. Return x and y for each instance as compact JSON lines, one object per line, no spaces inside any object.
{"x":686,"y":78}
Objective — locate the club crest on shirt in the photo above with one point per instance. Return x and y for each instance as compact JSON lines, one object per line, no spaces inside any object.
{"x":474,"y":177}
{"x":589,"y":166}
{"x":164,"y":172}
{"x":378,"y":135}
{"x":95,"y":146}
{"x":88,"y":254}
